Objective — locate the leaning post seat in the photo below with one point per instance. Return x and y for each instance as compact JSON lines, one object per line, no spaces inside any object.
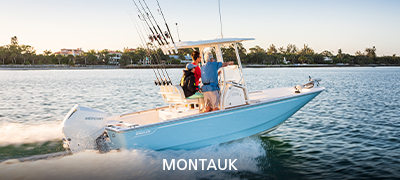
{"x":174,"y":95}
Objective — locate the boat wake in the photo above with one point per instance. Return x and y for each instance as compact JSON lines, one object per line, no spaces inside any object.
{"x":138,"y":163}
{"x":17,"y":134}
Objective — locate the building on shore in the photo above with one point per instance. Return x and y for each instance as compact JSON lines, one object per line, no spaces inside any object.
{"x":115,"y":57}
{"x":66,"y":52}
{"x":328,"y":59}
{"x":188,"y":58}
{"x":285,"y":61}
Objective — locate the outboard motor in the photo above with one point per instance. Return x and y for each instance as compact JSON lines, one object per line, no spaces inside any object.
{"x":82,"y":126}
{"x":309,"y":85}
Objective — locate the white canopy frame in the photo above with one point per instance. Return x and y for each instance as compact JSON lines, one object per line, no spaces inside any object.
{"x":217,"y":44}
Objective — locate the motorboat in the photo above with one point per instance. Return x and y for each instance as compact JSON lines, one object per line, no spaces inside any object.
{"x":179,"y":125}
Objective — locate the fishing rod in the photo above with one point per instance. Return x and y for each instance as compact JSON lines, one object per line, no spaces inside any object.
{"x":143,"y":42}
{"x":160,"y":32}
{"x":157,"y":57}
{"x":144,"y":18}
{"x":163,"y":67}
{"x":158,"y":38}
{"x":165,"y":39}
{"x":151,"y":22}
{"x":146,"y":31}
{"x":158,"y":35}
{"x":140,"y":35}
{"x":166,"y":24}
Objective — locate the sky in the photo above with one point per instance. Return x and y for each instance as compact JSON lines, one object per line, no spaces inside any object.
{"x":351,"y":25}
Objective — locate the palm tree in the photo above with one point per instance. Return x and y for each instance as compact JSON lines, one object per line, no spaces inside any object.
{"x":59,"y":57}
{"x":34,"y":57}
{"x":13,"y":56}
{"x":358,"y":53}
{"x":282,"y":50}
{"x":272,"y":49}
{"x":70,"y":58}
{"x":257,"y":55}
{"x":24,"y":57}
{"x":302,"y":59}
{"x":371,"y":52}
{"x":14,"y":41}
{"x":103,"y":55}
{"x":47,"y":52}
{"x":85,"y":55}
{"x":3,"y":54}
{"x":327,"y":53}
{"x":339,"y":54}
{"x":291,"y":48}
{"x":306,"y":50}
{"x":91,"y":51}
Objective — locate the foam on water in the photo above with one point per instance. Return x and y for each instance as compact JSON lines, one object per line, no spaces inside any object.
{"x":137,"y":164}
{"x":16,"y":133}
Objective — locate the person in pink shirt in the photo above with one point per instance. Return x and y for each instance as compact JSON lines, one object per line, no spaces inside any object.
{"x":197,"y":72}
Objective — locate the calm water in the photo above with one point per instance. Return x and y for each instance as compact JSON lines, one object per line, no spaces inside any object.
{"x":350,"y":131}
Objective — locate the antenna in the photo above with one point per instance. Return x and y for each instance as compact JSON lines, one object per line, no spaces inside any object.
{"x":220,"y":20}
{"x":177,"y":32}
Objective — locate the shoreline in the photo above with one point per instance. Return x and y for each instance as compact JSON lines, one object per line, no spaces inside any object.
{"x":68,"y":67}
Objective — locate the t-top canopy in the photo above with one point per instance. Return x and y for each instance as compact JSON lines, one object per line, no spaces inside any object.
{"x":193,"y":44}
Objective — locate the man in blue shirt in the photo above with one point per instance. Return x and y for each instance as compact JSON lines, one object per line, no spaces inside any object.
{"x":209,"y":77}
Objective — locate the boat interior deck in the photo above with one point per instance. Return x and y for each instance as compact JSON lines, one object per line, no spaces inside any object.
{"x":268,"y":94}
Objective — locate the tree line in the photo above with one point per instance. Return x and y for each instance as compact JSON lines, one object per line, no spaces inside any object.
{"x":15,"y":53}
{"x":306,"y":54}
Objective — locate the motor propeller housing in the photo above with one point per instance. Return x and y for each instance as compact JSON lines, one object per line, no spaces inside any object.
{"x":82,"y":126}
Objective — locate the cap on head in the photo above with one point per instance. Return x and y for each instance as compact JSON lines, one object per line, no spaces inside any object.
{"x":190,"y":66}
{"x":208,"y":56}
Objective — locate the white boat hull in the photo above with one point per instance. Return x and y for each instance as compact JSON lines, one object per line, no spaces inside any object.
{"x":211,"y":128}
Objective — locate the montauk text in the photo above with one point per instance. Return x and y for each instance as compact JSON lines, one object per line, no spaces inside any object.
{"x":199,"y":164}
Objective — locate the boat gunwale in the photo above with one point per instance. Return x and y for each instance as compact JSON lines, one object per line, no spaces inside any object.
{"x":319,"y":90}
{"x":143,"y":111}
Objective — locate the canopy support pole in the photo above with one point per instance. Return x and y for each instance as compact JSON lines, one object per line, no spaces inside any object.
{"x":241,"y":74}
{"x":219,"y":53}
